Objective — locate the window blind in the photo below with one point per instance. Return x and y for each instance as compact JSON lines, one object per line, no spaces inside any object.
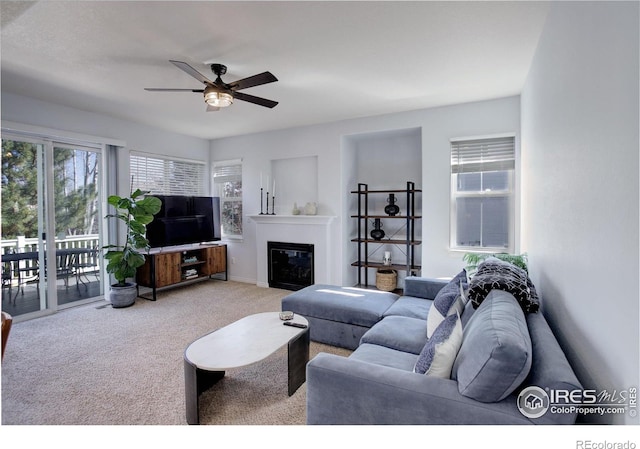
{"x":481,"y":155}
{"x":227,"y":171}
{"x":164,"y":176}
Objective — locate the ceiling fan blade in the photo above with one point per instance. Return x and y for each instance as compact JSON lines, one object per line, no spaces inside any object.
{"x":256,"y":100}
{"x":255,"y":80}
{"x":160,"y":89}
{"x":191,"y":71}
{"x":212,"y":108}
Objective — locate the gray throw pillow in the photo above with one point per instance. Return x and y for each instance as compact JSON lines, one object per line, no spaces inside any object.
{"x":496,"y":352}
{"x":447,"y":301}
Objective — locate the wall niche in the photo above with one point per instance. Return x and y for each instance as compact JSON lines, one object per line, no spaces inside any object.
{"x":384,"y":160}
{"x":296,"y":183}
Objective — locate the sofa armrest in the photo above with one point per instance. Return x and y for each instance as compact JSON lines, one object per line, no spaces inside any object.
{"x":422,"y":287}
{"x":346,"y":391}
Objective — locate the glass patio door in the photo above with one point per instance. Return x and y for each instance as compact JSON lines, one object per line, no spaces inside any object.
{"x":51,"y":225}
{"x":23,"y":227}
{"x":76,"y":189}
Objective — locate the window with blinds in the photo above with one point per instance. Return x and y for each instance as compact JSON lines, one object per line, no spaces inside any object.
{"x":165,"y":176}
{"x":482,"y":194}
{"x":227,"y":182}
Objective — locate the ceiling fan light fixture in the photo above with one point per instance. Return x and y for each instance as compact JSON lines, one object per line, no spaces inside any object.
{"x":218,"y":99}
{"x":218,"y":94}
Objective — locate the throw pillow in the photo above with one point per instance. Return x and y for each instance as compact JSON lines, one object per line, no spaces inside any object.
{"x":499,"y":275}
{"x":447,"y":301}
{"x":437,"y":357}
{"x":496,"y":355}
{"x":463,"y":293}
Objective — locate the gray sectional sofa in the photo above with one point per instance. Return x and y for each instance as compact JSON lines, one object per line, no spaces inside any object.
{"x":496,"y":371}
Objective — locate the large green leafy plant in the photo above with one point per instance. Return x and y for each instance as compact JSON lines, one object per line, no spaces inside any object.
{"x":136,"y":212}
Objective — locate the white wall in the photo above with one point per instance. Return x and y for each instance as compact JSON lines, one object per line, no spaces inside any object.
{"x":580,"y":188}
{"x":24,"y":110}
{"x":335,"y":148}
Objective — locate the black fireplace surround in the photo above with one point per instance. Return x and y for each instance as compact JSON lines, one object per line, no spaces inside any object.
{"x":290,"y":265}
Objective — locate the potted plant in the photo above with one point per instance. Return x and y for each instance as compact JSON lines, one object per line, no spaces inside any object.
{"x":136,"y":212}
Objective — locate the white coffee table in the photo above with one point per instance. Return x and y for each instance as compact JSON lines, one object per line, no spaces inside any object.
{"x":246,"y":341}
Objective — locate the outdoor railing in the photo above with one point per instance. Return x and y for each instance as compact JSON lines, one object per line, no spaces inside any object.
{"x":85,"y":261}
{"x":23,"y":244}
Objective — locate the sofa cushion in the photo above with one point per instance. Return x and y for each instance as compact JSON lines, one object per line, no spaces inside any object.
{"x":350,"y":305}
{"x":422,"y":287}
{"x":398,"y":332}
{"x":447,"y":301}
{"x":493,"y":274}
{"x":437,"y":357}
{"x":381,"y":355}
{"x":496,"y":353}
{"x":410,"y":306}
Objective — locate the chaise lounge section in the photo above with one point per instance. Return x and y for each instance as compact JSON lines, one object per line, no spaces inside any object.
{"x":339,"y":316}
{"x":505,"y":354}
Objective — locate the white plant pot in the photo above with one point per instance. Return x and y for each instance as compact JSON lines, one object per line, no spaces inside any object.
{"x":120,"y":297}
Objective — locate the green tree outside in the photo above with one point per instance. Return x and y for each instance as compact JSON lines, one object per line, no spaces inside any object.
{"x":75,"y":190}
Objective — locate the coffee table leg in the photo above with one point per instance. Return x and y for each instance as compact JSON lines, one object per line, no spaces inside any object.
{"x":298,"y":356}
{"x":195,"y":382}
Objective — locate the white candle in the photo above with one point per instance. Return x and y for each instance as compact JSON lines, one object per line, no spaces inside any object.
{"x":274,"y":188}
{"x":260,"y":179}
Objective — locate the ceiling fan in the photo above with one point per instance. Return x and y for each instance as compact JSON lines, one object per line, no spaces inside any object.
{"x":218,"y":94}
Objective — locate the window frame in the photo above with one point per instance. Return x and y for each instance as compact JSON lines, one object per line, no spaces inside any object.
{"x":219,"y":192}
{"x":510,"y":193}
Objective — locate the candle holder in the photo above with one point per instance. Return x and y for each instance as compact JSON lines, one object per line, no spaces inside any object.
{"x":273,"y":205}
{"x":261,"y":193}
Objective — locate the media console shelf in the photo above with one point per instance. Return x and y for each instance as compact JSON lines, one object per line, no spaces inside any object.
{"x":166,"y":267}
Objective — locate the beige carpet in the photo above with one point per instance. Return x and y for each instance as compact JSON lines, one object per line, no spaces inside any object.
{"x":98,"y":365}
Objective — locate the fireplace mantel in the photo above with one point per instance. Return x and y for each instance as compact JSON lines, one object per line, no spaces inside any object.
{"x":311,"y":229}
{"x":293,"y":219}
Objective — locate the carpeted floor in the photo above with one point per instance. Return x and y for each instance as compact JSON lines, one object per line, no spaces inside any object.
{"x":94,"y":365}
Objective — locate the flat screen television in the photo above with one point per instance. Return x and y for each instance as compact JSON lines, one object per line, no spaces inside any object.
{"x":185,"y":220}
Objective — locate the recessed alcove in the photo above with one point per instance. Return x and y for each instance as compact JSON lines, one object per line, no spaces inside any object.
{"x":383,"y":160}
{"x":296,"y":182}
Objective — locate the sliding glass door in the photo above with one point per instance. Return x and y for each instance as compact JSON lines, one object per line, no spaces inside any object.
{"x":23,"y":227}
{"x":51,"y":225}
{"x":76,"y":203}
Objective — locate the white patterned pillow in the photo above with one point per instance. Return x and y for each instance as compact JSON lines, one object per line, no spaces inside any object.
{"x":439,"y":353}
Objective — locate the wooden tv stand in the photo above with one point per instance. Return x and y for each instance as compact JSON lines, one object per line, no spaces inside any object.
{"x":164,"y":267}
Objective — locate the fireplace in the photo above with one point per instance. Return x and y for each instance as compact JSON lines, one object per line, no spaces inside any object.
{"x":290,"y":265}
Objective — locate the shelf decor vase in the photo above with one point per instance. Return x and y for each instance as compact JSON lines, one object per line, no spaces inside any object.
{"x":311,"y":209}
{"x":377,"y":233}
{"x":391,"y":209}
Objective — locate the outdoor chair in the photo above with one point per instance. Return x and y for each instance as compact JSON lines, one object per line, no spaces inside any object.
{"x":87,"y":263}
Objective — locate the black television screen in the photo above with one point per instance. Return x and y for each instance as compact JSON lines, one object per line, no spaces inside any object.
{"x":184,"y":220}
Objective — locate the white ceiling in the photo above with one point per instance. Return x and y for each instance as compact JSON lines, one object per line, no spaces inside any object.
{"x":334,"y":60}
